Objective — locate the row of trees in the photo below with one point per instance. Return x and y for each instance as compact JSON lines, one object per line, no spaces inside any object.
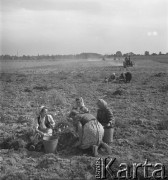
{"x":154,"y":54}
{"x":118,"y":53}
{"x":52,"y":57}
{"x":77,"y":56}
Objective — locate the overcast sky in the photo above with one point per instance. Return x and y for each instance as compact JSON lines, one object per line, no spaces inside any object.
{"x":34,"y":27}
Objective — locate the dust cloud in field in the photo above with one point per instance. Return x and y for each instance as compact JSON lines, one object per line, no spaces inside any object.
{"x":47,"y":66}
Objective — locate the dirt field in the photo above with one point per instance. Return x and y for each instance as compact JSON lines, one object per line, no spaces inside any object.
{"x":44,"y":66}
{"x":140,"y":109}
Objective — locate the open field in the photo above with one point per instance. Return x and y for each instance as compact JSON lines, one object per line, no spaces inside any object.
{"x":140,"y":109}
{"x":44,"y":66}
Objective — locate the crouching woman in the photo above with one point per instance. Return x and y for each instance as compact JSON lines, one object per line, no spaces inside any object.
{"x":79,"y":106}
{"x":90,"y":132}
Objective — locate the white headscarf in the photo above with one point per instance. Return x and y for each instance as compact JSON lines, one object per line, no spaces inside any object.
{"x":80,"y":101}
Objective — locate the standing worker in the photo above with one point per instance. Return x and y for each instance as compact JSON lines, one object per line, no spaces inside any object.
{"x":106,"y":118}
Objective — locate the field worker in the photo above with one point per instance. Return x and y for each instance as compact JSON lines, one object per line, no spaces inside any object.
{"x":90,"y":132}
{"x":80,"y":106}
{"x":45,"y":122}
{"x":44,"y":127}
{"x":104,"y":114}
{"x":126,"y":59}
{"x":122,"y":77}
{"x":112,"y":77}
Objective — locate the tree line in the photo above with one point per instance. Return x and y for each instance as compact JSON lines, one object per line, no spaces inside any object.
{"x":71,"y":56}
{"x":52,"y":57}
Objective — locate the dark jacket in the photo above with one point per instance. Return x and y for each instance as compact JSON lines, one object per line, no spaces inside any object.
{"x":105,"y":116}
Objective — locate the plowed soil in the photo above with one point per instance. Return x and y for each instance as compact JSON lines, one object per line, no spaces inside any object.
{"x":140,"y":108}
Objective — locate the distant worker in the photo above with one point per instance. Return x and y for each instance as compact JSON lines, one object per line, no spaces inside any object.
{"x":122,"y":77}
{"x":126,"y":59}
{"x":128,"y":77}
{"x":125,"y":77}
{"x":112,"y":77}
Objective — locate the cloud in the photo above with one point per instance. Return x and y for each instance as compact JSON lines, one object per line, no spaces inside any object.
{"x":154,"y":33}
{"x":52,"y":5}
{"x":63,"y":26}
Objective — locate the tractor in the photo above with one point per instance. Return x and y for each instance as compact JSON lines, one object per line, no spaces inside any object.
{"x":127,"y":62}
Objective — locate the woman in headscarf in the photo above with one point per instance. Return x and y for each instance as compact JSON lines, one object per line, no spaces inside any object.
{"x":80,"y":106}
{"x":44,"y":126}
{"x":104,"y":114}
{"x":90,"y":132}
{"x":45,"y":122}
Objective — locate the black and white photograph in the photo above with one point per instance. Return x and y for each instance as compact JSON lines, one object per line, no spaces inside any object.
{"x":83,"y":89}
